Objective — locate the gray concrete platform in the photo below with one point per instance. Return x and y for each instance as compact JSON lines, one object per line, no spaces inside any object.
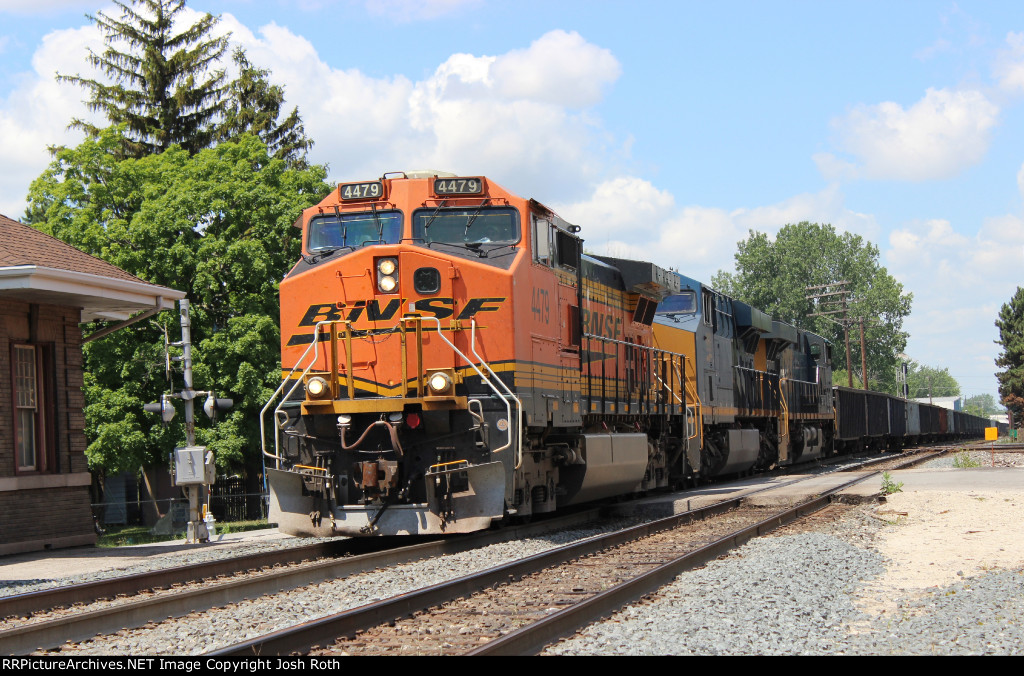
{"x":788,"y":490}
{"x":59,"y":563}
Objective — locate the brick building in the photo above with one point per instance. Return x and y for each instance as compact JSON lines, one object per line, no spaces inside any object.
{"x":47,"y":288}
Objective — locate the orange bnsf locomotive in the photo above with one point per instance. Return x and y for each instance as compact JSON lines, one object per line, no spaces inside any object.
{"x":450,"y":358}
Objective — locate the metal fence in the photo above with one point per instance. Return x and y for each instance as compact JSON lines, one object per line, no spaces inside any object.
{"x":228,"y":502}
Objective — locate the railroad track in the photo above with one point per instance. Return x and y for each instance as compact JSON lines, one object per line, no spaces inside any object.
{"x":520,"y":607}
{"x":154,"y":596}
{"x":207,"y":589}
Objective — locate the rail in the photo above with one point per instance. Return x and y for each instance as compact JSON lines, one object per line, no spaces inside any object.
{"x":487,"y":381}
{"x":784,"y":406}
{"x":637,"y":384}
{"x":692,"y":394}
{"x":314,"y":347}
{"x":305,"y":363}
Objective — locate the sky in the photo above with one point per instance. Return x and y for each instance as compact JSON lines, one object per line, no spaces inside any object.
{"x":667,"y":130}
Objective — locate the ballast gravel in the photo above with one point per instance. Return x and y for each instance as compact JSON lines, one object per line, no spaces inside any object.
{"x":221,"y":627}
{"x":816,"y":593}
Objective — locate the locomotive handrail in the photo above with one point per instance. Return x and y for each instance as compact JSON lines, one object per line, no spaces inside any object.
{"x":785,"y":411}
{"x":519,"y":404}
{"x":651,"y":352}
{"x":699,"y":431}
{"x":670,"y":391}
{"x":314,"y":346}
{"x":487,"y":381}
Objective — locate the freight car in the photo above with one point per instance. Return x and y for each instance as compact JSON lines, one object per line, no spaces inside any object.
{"x":451,"y":358}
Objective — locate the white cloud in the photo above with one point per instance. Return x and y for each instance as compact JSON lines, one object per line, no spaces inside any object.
{"x":936,"y":138}
{"x":521,"y":114}
{"x":959,"y":282}
{"x":560,"y":68}
{"x":1009,"y":65}
{"x":36,"y":113}
{"x":629,"y":217}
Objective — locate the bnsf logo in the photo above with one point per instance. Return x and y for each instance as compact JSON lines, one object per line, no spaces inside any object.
{"x":372,"y":310}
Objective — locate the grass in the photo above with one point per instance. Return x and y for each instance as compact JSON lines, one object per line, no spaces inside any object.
{"x":121,"y":536}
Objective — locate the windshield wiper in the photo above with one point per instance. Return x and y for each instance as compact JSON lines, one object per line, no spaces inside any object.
{"x":380,"y":223}
{"x":325,"y":253}
{"x":433,"y":216}
{"x":473,"y":217}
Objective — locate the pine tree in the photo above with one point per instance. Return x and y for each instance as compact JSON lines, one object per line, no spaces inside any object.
{"x":163,"y":91}
{"x":1011,"y":338}
{"x":254,"y":105}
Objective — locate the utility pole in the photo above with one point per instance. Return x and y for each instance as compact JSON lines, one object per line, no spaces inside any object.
{"x":863,"y":355}
{"x":837,"y":293}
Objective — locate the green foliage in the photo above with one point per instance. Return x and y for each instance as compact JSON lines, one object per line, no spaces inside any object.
{"x":772,"y":275}
{"x":1011,"y":359}
{"x":126,"y":536}
{"x":254,"y":106}
{"x":927,"y":381}
{"x":963,"y":460}
{"x":216,"y":225}
{"x":889,"y":486}
{"x":843,"y":377}
{"x":162,"y":91}
{"x":983,"y":405}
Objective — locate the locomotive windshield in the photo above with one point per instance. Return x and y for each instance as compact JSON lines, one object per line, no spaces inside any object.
{"x":684,"y":303}
{"x":334,"y":231}
{"x":467,"y":226}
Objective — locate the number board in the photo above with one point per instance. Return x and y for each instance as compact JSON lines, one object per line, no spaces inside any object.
{"x":458,"y":186}
{"x":361,"y":191}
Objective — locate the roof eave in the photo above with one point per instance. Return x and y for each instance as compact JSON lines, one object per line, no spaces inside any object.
{"x":99,"y":297}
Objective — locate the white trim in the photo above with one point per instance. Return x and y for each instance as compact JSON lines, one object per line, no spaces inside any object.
{"x":98,"y":296}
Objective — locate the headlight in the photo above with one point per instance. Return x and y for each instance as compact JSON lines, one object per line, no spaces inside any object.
{"x":440,"y":383}
{"x":316,"y":387}
{"x":387,"y":275}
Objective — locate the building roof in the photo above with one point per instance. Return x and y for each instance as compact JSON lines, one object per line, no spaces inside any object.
{"x":38,"y":268}
{"x":952,"y":403}
{"x":22,"y":244}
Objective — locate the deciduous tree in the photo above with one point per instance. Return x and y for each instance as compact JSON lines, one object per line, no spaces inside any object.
{"x":982,"y":404}
{"x":216,"y":225}
{"x":773,"y":274}
{"x":928,"y":381}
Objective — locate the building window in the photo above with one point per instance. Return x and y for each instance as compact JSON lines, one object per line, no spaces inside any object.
{"x":31,"y":439}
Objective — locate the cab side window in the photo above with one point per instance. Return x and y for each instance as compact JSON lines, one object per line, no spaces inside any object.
{"x":541,"y":240}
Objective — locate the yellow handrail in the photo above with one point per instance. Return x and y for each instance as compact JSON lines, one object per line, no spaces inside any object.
{"x":785,"y":412}
{"x":691,"y":394}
